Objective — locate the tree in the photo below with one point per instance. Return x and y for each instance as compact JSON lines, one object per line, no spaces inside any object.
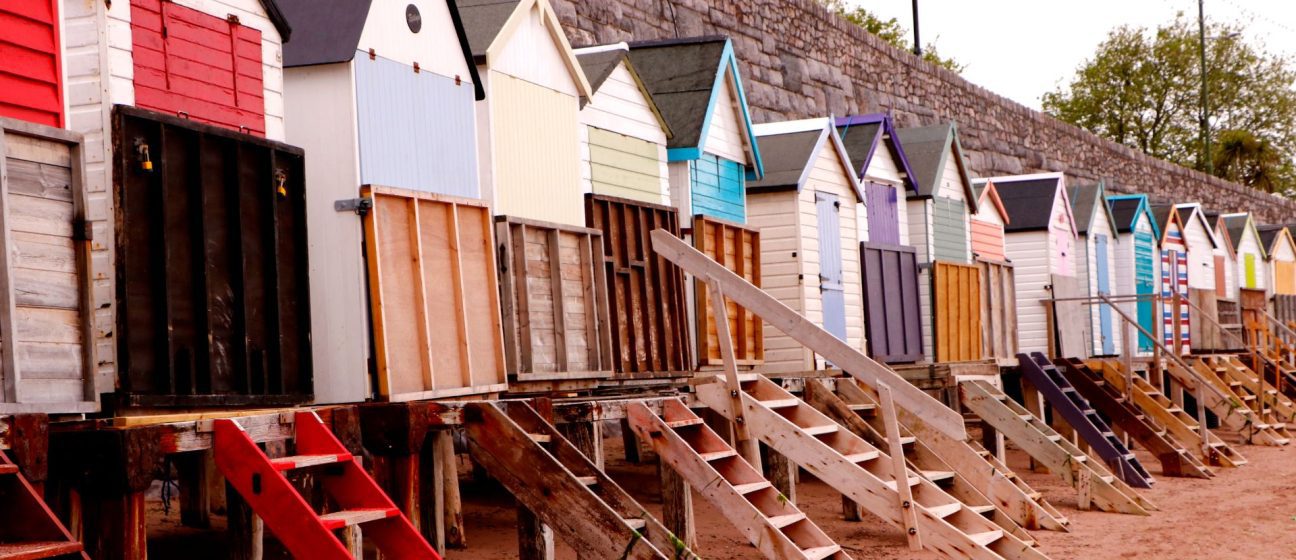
{"x":1142,"y":89}
{"x":888,"y":30}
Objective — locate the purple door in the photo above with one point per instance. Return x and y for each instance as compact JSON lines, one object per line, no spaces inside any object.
{"x":883,"y":214}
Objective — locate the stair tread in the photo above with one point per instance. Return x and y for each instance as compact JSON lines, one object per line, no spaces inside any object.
{"x":781,"y":521}
{"x":862,"y":406}
{"x":1054,"y":438}
{"x":935,"y":476}
{"x":540,"y":438}
{"x":8,"y":469}
{"x":304,"y":461}
{"x":821,"y":552}
{"x":986,"y":538}
{"x":588,"y":480}
{"x":695,"y":421}
{"x":945,"y":510}
{"x":781,"y":403}
{"x":913,"y":481}
{"x":748,"y":488}
{"x":636,"y":524}
{"x":982,"y":509}
{"x":349,"y":517}
{"x":38,"y":549}
{"x":717,"y":455}
{"x":862,"y":457}
{"x":820,"y":430}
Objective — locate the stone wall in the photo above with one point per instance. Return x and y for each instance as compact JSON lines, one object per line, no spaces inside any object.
{"x":798,"y":60}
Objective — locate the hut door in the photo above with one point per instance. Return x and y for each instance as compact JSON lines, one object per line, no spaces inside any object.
{"x":1221,"y":277}
{"x":1104,"y":288}
{"x":831,"y":287}
{"x":1253,"y":304}
{"x":892,"y":320}
{"x":883,"y":214}
{"x":1174,"y":280}
{"x":1144,"y":285}
{"x":1249,"y":263}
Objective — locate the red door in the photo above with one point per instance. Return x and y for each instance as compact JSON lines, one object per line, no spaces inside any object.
{"x":31,"y":70}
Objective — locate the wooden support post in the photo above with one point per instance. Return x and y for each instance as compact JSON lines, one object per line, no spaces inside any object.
{"x":677,"y":506}
{"x":908,"y":513}
{"x":782,"y":473}
{"x":431,"y":492}
{"x":1084,"y":488}
{"x":587,"y":437}
{"x":110,"y":471}
{"x":215,"y":486}
{"x":195,"y":491}
{"x":353,"y":540}
{"x":244,"y":531}
{"x":447,"y":469}
{"x":747,"y":446}
{"x":1034,"y":404}
{"x":115,"y":526}
{"x":630,"y":443}
{"x":535,"y":540}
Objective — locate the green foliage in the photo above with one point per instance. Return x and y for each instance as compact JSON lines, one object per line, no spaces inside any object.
{"x":1143,"y":89}
{"x":889,"y":30}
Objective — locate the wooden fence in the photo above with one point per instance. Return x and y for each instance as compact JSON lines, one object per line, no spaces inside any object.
{"x":892,"y":310}
{"x":956,"y":290}
{"x":998,"y":310}
{"x":645,"y":291}
{"x":47,"y":354}
{"x":737,"y":248}
{"x":554,"y":296}
{"x":213,"y":304}
{"x":433,"y":295}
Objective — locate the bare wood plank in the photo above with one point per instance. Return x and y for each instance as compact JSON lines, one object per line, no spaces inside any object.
{"x":377,"y":303}
{"x":10,"y":391}
{"x":556,"y":287}
{"x":517,"y":244}
{"x":421,"y":315}
{"x":509,"y":280}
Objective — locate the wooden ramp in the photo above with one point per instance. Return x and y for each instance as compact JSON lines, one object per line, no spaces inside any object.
{"x":1096,"y":484}
{"x":1230,"y":409}
{"x":1084,"y":419}
{"x":732,"y":486}
{"x":28,"y":529}
{"x":1174,"y":458}
{"x":963,"y":469}
{"x":1163,"y":412}
{"x":1260,"y":409}
{"x":561,"y":486}
{"x":1235,"y":370}
{"x":864,"y":474}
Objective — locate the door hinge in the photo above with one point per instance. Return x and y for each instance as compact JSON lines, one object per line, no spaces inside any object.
{"x":360,"y":206}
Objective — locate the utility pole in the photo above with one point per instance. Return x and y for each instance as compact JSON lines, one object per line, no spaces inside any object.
{"x":917,"y":42}
{"x":1205,"y":108}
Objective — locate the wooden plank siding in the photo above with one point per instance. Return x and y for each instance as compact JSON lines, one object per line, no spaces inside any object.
{"x":212,"y":269}
{"x":554,"y":300}
{"x":645,"y":292}
{"x":737,"y":248}
{"x":950,"y":230}
{"x":957,"y":321}
{"x":47,"y":349}
{"x":31,"y":62}
{"x":893,"y":328}
{"x":434,"y":301}
{"x":717,"y":185}
{"x":535,"y":139}
{"x":987,"y":240}
{"x":998,"y":310}
{"x":625,"y":166}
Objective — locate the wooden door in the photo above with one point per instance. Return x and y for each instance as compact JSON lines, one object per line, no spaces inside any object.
{"x":831,"y":283}
{"x":1221,"y":278}
{"x":1249,"y":270}
{"x":883,"y":214}
{"x":1145,"y":285}
{"x":892,"y":320}
{"x":998,"y":310}
{"x":737,"y":248}
{"x":1103,"y":270}
{"x":957,"y":310}
{"x":1253,"y":305}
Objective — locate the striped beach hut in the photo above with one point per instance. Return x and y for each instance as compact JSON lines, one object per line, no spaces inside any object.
{"x":1096,"y":264}
{"x":1175,"y":318}
{"x":1204,"y":276}
{"x":1137,"y":263}
{"x":805,"y":209}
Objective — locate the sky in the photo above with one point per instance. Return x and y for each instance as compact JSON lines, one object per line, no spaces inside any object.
{"x":1022,"y":49}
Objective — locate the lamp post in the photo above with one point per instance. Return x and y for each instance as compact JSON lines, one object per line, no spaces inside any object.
{"x":917,"y":43}
{"x":1204,"y":111}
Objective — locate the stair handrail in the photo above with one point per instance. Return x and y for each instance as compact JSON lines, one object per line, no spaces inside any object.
{"x":1166,"y":351}
{"x":1202,"y":314}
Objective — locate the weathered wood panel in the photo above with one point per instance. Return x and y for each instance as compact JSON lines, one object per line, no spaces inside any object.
{"x":433,"y":295}
{"x":645,"y":291}
{"x":998,"y":310}
{"x":737,"y":248}
{"x":553,"y":300}
{"x":212,"y":282}
{"x":1284,"y":307}
{"x":1202,"y":330}
{"x":957,"y":322}
{"x":47,"y":354}
{"x":892,"y":321}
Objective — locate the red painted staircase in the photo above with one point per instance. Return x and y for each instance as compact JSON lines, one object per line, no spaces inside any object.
{"x":305,"y":533}
{"x":28,"y":529}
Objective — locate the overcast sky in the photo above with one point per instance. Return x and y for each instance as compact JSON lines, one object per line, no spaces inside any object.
{"x":1024,"y":48}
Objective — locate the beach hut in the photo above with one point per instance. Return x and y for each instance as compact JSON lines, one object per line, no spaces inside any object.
{"x":1281,"y":248}
{"x":400,"y":85}
{"x":939,"y":211}
{"x":31,"y":71}
{"x":1251,"y":266}
{"x":1096,"y":264}
{"x":170,"y":92}
{"x":1137,"y":263}
{"x":892,"y":320}
{"x":805,"y":209}
{"x":528,"y":126}
{"x":1204,"y":276}
{"x":712,"y":150}
{"x":1041,"y":241}
{"x":1176,"y":317}
{"x":998,"y":281}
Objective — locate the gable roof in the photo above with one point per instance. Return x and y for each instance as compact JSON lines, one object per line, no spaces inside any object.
{"x":1030,"y":200}
{"x":328,"y":31}
{"x":1270,"y":234}
{"x":1087,"y":201}
{"x":861,"y":135}
{"x":987,"y":192}
{"x":684,"y":77}
{"x":488,"y":25}
{"x":1165,"y":215}
{"x":929,"y":148}
{"x":793,"y":147}
{"x":1196,"y":213}
{"x":1236,"y":226}
{"x":600,"y":62}
{"x":1126,"y":210}
{"x":276,"y":16}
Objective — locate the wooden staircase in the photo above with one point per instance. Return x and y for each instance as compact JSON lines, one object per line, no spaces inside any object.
{"x":1175,"y":459}
{"x":1235,"y":370}
{"x":1165,"y":413}
{"x":1084,"y":419}
{"x":737,"y":490}
{"x":863,"y":473}
{"x":304,"y":532}
{"x":562,"y":486}
{"x":1258,"y":404}
{"x":1230,"y":409}
{"x":28,"y":529}
{"x":961,"y":468}
{"x":1096,"y":484}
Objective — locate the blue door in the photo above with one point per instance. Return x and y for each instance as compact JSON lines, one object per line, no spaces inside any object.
{"x":1104,"y":287}
{"x":1145,"y":285}
{"x":831,"y":286}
